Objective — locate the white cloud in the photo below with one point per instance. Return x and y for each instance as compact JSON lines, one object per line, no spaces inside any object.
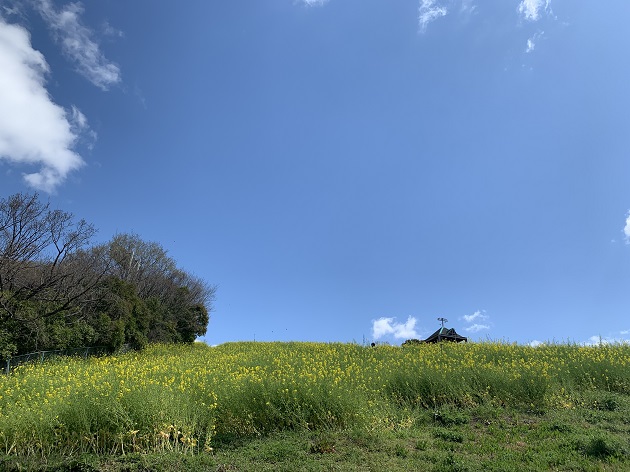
{"x":428,"y":12}
{"x":431,"y":10}
{"x":476,"y":328}
{"x":597,"y":341}
{"x":314,"y":3}
{"x":476,"y":318}
{"x":14,"y":10}
{"x":109,"y":30}
{"x":80,"y":126}
{"x":33,"y":129}
{"x":602,"y":341}
{"x":77,"y":43}
{"x":388,"y":326}
{"x":530,"y":9}
{"x":530,"y":45}
{"x":536,"y":343}
{"x":478,"y":315}
{"x":468,"y":7}
{"x":626,"y":229}
{"x":624,"y":332}
{"x":78,"y":118}
{"x":531,"y":42}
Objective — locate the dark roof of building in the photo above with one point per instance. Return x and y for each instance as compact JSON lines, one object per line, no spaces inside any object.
{"x":445,"y":334}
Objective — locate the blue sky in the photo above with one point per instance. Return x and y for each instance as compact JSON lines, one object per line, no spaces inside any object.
{"x":342,"y":170}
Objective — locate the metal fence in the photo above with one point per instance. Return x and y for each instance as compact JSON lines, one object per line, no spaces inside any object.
{"x":40,"y":356}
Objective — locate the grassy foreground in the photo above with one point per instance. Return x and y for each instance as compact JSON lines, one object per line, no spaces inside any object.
{"x":309,"y":406}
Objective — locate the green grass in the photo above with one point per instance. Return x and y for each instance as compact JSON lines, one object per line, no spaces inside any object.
{"x":482,"y":438}
{"x":305,"y":406}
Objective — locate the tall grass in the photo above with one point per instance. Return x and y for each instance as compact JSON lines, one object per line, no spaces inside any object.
{"x":181,"y":397}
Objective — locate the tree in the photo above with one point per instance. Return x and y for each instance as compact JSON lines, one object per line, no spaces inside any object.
{"x":178,"y":301}
{"x":121,"y":316}
{"x":43,"y":270}
{"x":56,"y":291}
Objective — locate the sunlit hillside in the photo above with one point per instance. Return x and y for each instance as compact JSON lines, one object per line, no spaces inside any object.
{"x":194,"y":398}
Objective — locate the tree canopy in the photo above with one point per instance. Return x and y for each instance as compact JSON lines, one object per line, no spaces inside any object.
{"x":57,"y":290}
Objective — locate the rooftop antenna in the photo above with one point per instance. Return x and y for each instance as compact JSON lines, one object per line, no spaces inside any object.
{"x":443,"y":320}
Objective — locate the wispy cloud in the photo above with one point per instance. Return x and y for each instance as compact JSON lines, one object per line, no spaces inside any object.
{"x":468,"y":7}
{"x":531,"y":9}
{"x":13,"y":10}
{"x":533,"y":41}
{"x":33,"y":129}
{"x":604,"y":340}
{"x":81,"y":128}
{"x":313,"y":3}
{"x":109,"y":30}
{"x":477,"y":319}
{"x":531,"y":45}
{"x":626,"y":228}
{"x":78,"y":44}
{"x":388,"y":326}
{"x":431,"y":10}
{"x":475,"y":328}
{"x":478,"y":315}
{"x":428,"y":12}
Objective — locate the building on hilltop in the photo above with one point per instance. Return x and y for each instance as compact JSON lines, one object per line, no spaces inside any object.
{"x":445,"y":334}
{"x":442,"y":334}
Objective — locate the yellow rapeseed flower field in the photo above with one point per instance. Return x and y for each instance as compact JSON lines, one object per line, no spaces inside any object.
{"x":178,"y":397}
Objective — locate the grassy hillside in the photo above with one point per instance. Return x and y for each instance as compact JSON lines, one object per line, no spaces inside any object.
{"x":292,"y":406}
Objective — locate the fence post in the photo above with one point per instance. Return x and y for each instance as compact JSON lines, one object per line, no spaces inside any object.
{"x":8,"y":367}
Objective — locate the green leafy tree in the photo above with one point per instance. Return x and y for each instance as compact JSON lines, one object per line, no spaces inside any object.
{"x":178,"y":302}
{"x":43,"y":272}
{"x":58,"y":292}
